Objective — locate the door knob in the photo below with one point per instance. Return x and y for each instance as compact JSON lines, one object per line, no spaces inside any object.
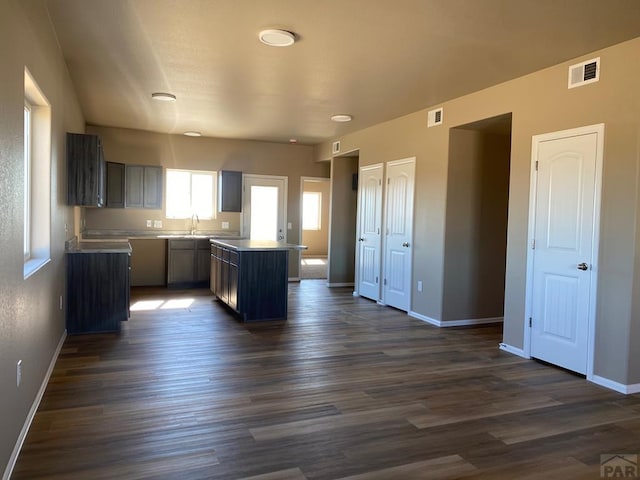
{"x":361,"y":239}
{"x":405,"y":244}
{"x":583,"y":266}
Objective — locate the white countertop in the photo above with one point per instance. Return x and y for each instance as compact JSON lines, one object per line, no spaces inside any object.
{"x":256,"y":245}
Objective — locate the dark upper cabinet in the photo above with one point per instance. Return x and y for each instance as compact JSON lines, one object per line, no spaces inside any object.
{"x":115,"y":185}
{"x":143,"y":187}
{"x":86,"y":170}
{"x":229,"y":191}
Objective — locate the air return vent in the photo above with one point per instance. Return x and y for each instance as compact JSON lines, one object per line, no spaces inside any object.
{"x":584,"y":73}
{"x":336,"y":147}
{"x":434,"y":117}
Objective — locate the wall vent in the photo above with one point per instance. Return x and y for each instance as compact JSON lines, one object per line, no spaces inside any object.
{"x":336,"y":147}
{"x":584,"y":73}
{"x":434,"y":117}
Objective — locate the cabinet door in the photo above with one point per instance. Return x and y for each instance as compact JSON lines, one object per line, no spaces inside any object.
{"x":181,"y":266}
{"x":230,"y":191}
{"x":134,"y":186}
{"x":233,"y":286}
{"x":152,"y":197}
{"x":85,"y":170}
{"x":213,"y":277}
{"x":203,"y":265}
{"x":115,"y":185}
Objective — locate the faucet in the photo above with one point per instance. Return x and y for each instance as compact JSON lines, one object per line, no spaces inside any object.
{"x":194,"y":223}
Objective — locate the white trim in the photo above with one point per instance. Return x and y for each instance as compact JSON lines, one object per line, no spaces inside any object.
{"x":355,"y":293}
{"x":293,"y":279}
{"x":513,"y":350}
{"x":455,"y":323}
{"x":32,"y":412}
{"x":598,"y":129}
{"x":618,"y":387}
{"x":346,"y":284}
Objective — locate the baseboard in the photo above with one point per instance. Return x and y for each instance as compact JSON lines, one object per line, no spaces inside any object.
{"x":332,"y":285}
{"x":456,"y":323}
{"x":513,"y":350}
{"x":294,"y":279}
{"x":618,"y":387}
{"x":32,"y":412}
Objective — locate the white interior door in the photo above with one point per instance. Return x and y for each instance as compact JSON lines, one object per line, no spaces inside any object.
{"x":264,"y":208}
{"x":398,"y":233}
{"x":369,"y":231}
{"x":563,"y":249}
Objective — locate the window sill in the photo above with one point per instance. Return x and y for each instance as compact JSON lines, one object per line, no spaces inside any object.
{"x":32,"y":265}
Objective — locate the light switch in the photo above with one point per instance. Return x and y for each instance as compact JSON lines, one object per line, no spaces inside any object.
{"x":157,"y":224}
{"x":289,"y":226}
{"x":149,"y":223}
{"x":225,"y":225}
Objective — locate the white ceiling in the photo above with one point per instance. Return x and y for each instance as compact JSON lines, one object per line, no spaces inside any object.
{"x":373,"y":59}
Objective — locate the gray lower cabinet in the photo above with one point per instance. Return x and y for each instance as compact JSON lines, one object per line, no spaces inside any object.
{"x":253,"y":283}
{"x":143,"y":187}
{"x":188,"y":263}
{"x":97,"y":292}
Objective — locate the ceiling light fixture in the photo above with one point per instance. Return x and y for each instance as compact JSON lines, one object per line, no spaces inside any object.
{"x":341,"y":118}
{"x":277,"y":38}
{"x":192,"y":134}
{"x":163,"y":97}
{"x":293,"y":140}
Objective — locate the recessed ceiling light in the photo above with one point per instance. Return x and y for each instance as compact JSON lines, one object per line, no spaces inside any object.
{"x":277,"y":38}
{"x":293,"y":140}
{"x":192,"y":134}
{"x":163,"y":97}
{"x":341,"y":117}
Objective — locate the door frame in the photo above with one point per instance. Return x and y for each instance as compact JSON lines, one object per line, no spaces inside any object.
{"x":536,"y":140}
{"x":313,"y":179}
{"x":251,"y":176}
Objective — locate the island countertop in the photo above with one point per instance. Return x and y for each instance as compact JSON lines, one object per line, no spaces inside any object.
{"x":244,"y":245}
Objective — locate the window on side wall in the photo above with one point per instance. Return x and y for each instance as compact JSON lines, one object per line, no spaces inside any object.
{"x":191,"y":192}
{"x":311,"y":210}
{"x":37,"y":177}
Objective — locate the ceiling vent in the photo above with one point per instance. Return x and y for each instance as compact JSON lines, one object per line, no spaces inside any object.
{"x":584,"y":73}
{"x":336,"y":147}
{"x":434,"y":117}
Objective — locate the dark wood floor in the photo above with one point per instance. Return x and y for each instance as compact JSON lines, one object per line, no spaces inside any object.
{"x":344,"y":389}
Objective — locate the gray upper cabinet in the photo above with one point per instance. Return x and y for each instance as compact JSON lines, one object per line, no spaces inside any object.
{"x":229,"y":191}
{"x":143,"y":187}
{"x":115,"y":185}
{"x":86,"y":170}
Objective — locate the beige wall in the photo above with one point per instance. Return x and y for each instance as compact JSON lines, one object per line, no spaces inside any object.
{"x":540,"y":103}
{"x":179,"y":151}
{"x":318,"y":240}
{"x":31,"y":322}
{"x":342,"y":233}
{"x":476,"y":225}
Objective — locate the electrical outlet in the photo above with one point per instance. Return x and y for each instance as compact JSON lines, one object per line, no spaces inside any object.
{"x":149,"y":224}
{"x":289,"y":225}
{"x":157,"y":224}
{"x":419,"y":285}
{"x":66,"y":228}
{"x":225,"y":225}
{"x":18,"y":373}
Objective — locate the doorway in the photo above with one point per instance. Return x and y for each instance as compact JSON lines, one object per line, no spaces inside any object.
{"x":476,"y":222}
{"x":315,"y":194}
{"x":264,"y":209}
{"x":563,"y":228}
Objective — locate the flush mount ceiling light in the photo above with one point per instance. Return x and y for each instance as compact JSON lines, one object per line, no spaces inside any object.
{"x":341,"y":118}
{"x":277,"y":38}
{"x":163,"y":97}
{"x":192,"y":134}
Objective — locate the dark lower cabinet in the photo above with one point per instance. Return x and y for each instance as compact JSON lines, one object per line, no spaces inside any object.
{"x":253,"y":283}
{"x":188,"y":263}
{"x":97,"y":292}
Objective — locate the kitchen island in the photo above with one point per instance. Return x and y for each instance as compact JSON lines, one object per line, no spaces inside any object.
{"x":251,"y":277}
